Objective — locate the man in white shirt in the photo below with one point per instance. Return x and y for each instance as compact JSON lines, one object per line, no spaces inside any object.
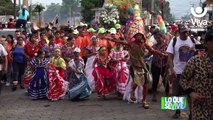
{"x":3,"y":62}
{"x":180,"y":50}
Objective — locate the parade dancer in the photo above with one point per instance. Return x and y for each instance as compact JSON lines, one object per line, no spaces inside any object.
{"x":38,"y":85}
{"x":57,"y":84}
{"x":78,"y":84}
{"x":121,"y":71}
{"x":138,"y":69}
{"x":91,"y":52}
{"x":104,"y":83}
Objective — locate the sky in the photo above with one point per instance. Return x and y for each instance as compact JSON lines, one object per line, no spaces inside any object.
{"x":46,"y":2}
{"x":182,"y":8}
{"x":177,"y":8}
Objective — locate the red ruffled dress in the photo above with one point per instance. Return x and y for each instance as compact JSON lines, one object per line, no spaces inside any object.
{"x":104,"y":82}
{"x":57,"y":85}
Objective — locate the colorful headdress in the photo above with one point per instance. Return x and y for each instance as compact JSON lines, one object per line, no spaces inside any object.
{"x":136,"y":25}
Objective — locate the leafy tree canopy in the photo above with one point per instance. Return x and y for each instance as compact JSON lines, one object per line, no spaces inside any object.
{"x":52,"y":10}
{"x":87,"y":6}
{"x":6,"y":7}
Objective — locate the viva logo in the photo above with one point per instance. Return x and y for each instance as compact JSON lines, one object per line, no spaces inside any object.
{"x":199,"y":12}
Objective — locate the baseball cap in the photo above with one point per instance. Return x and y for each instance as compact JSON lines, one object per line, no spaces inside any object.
{"x":183,"y":28}
{"x":91,"y":30}
{"x":101,"y":31}
{"x":75,"y":32}
{"x":113,"y":31}
{"x":117,"y":26}
{"x":78,"y":50}
{"x":93,"y":38}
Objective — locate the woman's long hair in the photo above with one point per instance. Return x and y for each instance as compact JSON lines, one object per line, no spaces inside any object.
{"x":12,"y":40}
{"x":23,"y":11}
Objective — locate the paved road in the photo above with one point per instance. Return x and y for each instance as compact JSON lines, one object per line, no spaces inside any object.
{"x":17,"y":106}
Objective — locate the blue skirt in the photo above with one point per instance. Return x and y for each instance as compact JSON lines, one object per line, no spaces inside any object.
{"x":38,"y":86}
{"x":78,"y":87}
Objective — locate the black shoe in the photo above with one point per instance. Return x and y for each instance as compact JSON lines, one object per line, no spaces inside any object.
{"x":14,"y":88}
{"x":21,"y":86}
{"x":176,"y":115}
{"x":190,"y":116}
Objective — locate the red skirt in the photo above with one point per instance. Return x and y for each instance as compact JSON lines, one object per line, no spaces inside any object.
{"x":104,"y":82}
{"x":57,"y":85}
{"x":61,"y":72}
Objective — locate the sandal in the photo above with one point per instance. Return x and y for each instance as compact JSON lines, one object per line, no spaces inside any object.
{"x":99,"y":97}
{"x":104,"y":97}
{"x":132,"y":97}
{"x":145,"y":105}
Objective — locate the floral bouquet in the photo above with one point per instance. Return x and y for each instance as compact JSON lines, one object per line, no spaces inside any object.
{"x":109,"y":16}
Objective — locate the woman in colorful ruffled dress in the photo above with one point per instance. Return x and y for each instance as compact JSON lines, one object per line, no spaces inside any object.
{"x":118,"y":58}
{"x":91,"y":52}
{"x":104,"y":83}
{"x":30,"y":49}
{"x":78,"y":85}
{"x":59,"y":62}
{"x":68,"y":50}
{"x":68,"y":53}
{"x":38,"y":85}
{"x":57,"y":84}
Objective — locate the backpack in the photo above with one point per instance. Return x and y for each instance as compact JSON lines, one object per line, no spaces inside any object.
{"x":175,"y":40}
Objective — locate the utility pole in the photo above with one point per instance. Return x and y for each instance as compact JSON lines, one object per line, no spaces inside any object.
{"x":14,"y":9}
{"x":162,"y":8}
{"x":19,"y":4}
{"x":25,"y":2}
{"x":152,"y":10}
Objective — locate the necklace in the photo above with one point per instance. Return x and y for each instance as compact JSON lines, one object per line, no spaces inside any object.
{"x":33,"y":46}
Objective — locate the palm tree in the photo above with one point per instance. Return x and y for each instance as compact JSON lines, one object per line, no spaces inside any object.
{"x":39,"y":9}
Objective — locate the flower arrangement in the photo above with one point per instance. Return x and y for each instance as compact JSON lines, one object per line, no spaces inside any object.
{"x":109,"y":16}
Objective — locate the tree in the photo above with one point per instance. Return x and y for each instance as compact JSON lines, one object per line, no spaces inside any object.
{"x":52,"y":10}
{"x":6,"y":7}
{"x":69,"y":7}
{"x":39,"y":9}
{"x":87,"y":5}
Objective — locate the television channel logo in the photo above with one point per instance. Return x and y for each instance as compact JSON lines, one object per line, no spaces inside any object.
{"x":173,"y":103}
{"x":199,"y":11}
